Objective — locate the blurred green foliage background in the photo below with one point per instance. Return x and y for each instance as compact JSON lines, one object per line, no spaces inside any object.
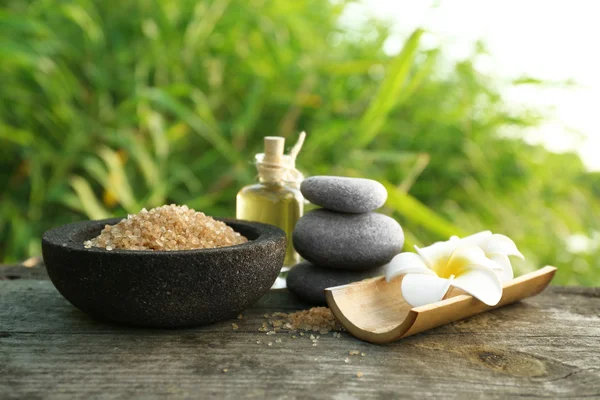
{"x":110,"y":106}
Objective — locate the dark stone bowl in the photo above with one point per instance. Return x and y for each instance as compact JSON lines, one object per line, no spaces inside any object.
{"x":163,"y":288}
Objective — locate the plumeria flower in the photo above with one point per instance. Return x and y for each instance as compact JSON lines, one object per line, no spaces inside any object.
{"x":477,"y":264}
{"x":497,"y":248}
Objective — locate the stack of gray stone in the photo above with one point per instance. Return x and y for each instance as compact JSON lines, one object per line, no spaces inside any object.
{"x":345,"y":241}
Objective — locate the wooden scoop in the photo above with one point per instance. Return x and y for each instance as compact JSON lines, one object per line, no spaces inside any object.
{"x":374,"y":310}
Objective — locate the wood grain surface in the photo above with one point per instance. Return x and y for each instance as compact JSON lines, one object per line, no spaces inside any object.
{"x":544,"y":347}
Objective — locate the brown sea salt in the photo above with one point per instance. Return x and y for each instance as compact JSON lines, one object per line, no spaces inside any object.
{"x":318,"y":319}
{"x":169,"y":227}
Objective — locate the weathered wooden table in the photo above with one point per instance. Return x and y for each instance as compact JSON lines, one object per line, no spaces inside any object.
{"x":547,"y":346}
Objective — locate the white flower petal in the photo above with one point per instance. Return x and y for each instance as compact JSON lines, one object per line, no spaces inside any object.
{"x":501,"y":244}
{"x":477,"y":239}
{"x":419,"y":290}
{"x":406,"y":263}
{"x":438,"y":252}
{"x":505,"y":270}
{"x":464,"y":258}
{"x":481,"y":283}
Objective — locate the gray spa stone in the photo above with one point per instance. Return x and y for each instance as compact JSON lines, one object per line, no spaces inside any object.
{"x":308,"y":281}
{"x":347,"y":241}
{"x":163,"y":289}
{"x":350,"y":195}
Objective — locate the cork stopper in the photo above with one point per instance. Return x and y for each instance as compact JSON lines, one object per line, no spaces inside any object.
{"x":274,"y":147}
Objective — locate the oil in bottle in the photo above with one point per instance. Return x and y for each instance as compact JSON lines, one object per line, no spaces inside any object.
{"x":276,"y":198}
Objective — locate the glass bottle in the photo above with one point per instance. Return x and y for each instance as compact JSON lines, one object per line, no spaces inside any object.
{"x":276,"y":199}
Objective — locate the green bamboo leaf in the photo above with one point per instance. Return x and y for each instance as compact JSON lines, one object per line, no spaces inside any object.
{"x":206,"y":201}
{"x":37,"y":193}
{"x":418,"y":213}
{"x":184,"y":175}
{"x":389,"y":90}
{"x":87,"y":199}
{"x":183,"y":112}
{"x":81,"y":16}
{"x":157,"y":195}
{"x":424,"y":71}
{"x":97,"y":170}
{"x":149,"y":168}
{"x":348,"y":68}
{"x":118,"y":181}
{"x":385,"y":156}
{"x":527,"y":80}
{"x":156,"y":127}
{"x":410,"y":241}
{"x":14,"y":23}
{"x":20,"y":233}
{"x":203,"y":109}
{"x":71,"y":201}
{"x":18,"y":54}
{"x":16,"y":136}
{"x":415,"y":171}
{"x":246,"y":121}
{"x":202,"y":25}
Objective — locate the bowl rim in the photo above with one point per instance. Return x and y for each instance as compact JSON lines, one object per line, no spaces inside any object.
{"x":60,"y":237}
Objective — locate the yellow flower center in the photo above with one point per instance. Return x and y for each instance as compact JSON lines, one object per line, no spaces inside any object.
{"x":455,"y":265}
